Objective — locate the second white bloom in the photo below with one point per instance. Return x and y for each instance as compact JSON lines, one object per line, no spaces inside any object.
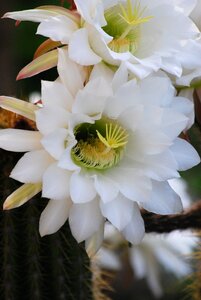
{"x":147,"y":35}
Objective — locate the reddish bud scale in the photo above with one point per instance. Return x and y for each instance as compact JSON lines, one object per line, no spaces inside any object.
{"x":71,"y":2}
{"x":17,"y":23}
{"x":72,"y":5}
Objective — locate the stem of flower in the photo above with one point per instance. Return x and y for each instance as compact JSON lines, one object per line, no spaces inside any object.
{"x":189,"y":219}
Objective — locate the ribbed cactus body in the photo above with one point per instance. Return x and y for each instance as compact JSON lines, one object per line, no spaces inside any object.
{"x":53,"y":267}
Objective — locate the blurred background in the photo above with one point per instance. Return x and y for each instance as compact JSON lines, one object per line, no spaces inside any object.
{"x":158,"y":269}
{"x":18,"y":44}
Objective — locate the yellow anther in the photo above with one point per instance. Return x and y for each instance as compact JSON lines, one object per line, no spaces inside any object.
{"x":133,"y":16}
{"x":115,"y":136}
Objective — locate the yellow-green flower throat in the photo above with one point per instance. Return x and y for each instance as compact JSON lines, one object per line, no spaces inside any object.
{"x":123,"y":24}
{"x":100,"y":145}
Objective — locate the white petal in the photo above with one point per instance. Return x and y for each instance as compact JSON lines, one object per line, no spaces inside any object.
{"x":108,"y":259}
{"x":18,"y":140}
{"x":106,"y":188}
{"x":54,"y":216}
{"x":118,"y":211}
{"x":185,"y":155}
{"x":186,"y":107}
{"x":58,"y":28}
{"x":176,"y":263}
{"x":171,"y":65}
{"x":120,"y":77}
{"x":185,"y":80}
{"x":98,"y":42}
{"x":163,"y":200}
{"x":131,"y":117}
{"x":160,"y":167}
{"x":74,"y":71}
{"x":66,"y":162}
{"x":173,"y":122}
{"x":91,"y":99}
{"x":85,"y":219}
{"x":138,"y":143}
{"x":99,"y":86}
{"x":91,"y":11}
{"x":102,"y":70}
{"x":94,"y":243}
{"x":195,"y":14}
{"x":82,"y":188}
{"x":54,"y":143}
{"x":138,"y":262}
{"x":109,"y":3}
{"x":51,"y":118}
{"x":76,"y":119}
{"x":41,"y":14}
{"x":83,"y":55}
{"x":157,"y":141}
{"x":145,"y":266}
{"x":187,"y":6}
{"x":134,"y":230}
{"x":190,"y":54}
{"x":34,"y":15}
{"x":160,"y":88}
{"x":139,"y":70}
{"x":131,"y":184}
{"x":56,"y":183}
{"x":55,"y":93}
{"x":123,"y":99}
{"x":152,"y":62}
{"x":31,"y":166}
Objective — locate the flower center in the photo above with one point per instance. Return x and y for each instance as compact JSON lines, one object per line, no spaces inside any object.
{"x":100,"y":145}
{"x":123,"y":23}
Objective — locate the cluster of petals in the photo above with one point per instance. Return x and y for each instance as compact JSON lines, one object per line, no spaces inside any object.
{"x":152,"y":116}
{"x":147,"y":35}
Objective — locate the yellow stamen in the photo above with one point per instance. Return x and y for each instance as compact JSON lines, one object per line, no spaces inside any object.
{"x":99,"y":151}
{"x":115,"y":136}
{"x":132,"y":16}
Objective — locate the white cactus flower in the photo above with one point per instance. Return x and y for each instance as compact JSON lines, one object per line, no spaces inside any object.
{"x":101,"y":150}
{"x":147,"y":35}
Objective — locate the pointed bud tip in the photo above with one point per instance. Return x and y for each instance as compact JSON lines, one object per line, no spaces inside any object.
{"x":4,"y":16}
{"x":1,"y":99}
{"x":6,"y":206}
{"x":43,"y":233}
{"x":20,"y":76}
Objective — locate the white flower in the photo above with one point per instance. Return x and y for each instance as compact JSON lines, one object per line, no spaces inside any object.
{"x":101,"y":150}
{"x":169,"y":253}
{"x":180,"y":186}
{"x":147,"y":35}
{"x":192,"y":73}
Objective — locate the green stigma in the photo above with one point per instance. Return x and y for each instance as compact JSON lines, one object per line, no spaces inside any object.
{"x":123,"y":23}
{"x":100,"y":146}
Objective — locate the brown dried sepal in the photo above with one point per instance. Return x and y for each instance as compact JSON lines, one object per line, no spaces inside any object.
{"x":11,"y":120}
